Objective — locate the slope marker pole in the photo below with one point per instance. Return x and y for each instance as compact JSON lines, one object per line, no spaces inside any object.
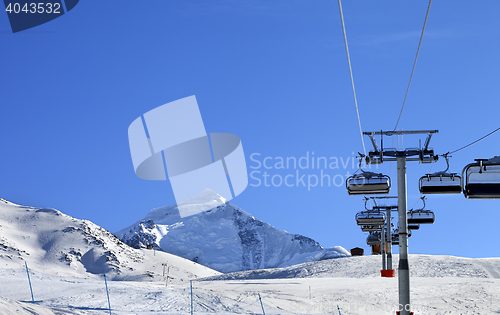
{"x":261,"y":305}
{"x":191,"y":284}
{"x":168,"y":272}
{"x":29,"y":280}
{"x":107,"y":293}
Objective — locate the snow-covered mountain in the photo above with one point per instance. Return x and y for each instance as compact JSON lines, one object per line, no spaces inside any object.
{"x":55,"y":243}
{"x":223,"y":237}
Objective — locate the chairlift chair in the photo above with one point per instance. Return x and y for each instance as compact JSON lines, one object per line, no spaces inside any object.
{"x":371,"y":228}
{"x":421,"y":216}
{"x":413,"y":227}
{"x":482,"y":179}
{"x":373,"y":239}
{"x":368,"y":183}
{"x":395,"y":237}
{"x":441,"y":182}
{"x":370,"y":218}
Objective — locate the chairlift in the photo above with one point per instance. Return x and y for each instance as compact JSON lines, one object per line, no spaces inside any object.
{"x":421,"y":216}
{"x":395,"y":236}
{"x":482,"y":179}
{"x":370,"y":218}
{"x":373,"y":239}
{"x":371,"y":228}
{"x":441,"y":182}
{"x":413,"y":227}
{"x":368,"y":183}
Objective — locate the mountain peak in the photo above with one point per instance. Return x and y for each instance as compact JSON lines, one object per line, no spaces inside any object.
{"x":223,"y":237}
{"x":206,"y":200}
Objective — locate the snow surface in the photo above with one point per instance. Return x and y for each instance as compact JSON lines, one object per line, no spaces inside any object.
{"x":223,"y":237}
{"x":455,"y":286}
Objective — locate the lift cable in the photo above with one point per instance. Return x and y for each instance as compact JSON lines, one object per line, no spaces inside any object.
{"x":472,"y":142}
{"x":414,"y":64}
{"x":352,"y":79}
{"x":432,"y":165}
{"x":411,"y":77}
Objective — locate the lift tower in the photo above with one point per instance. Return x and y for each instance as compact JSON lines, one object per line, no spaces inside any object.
{"x":423,"y":154}
{"x":388,"y":209}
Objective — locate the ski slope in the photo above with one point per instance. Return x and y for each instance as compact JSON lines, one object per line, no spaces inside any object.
{"x":440,"y":285}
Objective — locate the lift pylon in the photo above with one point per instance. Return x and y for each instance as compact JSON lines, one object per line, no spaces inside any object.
{"x":380,"y":206}
{"x":422,"y":154}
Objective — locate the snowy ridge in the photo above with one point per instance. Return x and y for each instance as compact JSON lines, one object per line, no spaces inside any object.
{"x":56,"y":243}
{"x":224,"y":237}
{"x":422,"y":266}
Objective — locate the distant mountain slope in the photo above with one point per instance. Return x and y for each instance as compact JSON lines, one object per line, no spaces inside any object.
{"x":60,"y":244}
{"x":224,"y":237}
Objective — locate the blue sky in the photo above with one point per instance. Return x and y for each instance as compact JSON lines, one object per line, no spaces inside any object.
{"x":273,"y":73}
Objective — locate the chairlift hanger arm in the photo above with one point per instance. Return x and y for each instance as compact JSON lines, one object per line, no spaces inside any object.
{"x":366,"y":203}
{"x":423,"y":201}
{"x":374,"y":142}
{"x":426,"y":144}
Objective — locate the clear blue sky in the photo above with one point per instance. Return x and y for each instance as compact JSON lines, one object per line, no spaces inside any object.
{"x":272,"y":72}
